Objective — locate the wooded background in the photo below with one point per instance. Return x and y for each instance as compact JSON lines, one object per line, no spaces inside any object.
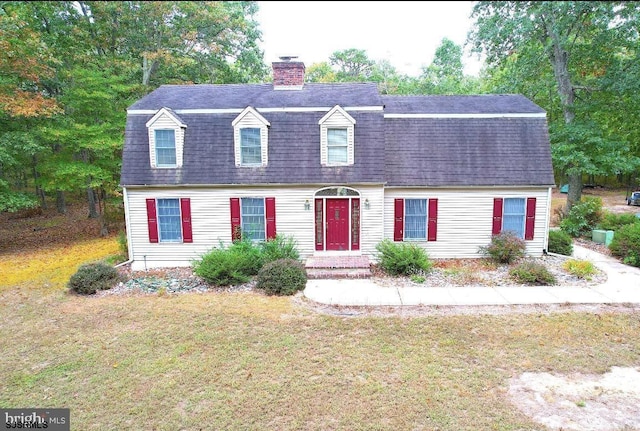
{"x":69,"y":70}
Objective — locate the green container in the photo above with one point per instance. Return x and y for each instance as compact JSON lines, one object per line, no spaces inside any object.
{"x":602,"y":236}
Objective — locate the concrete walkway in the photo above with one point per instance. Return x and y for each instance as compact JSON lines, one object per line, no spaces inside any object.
{"x":622,"y":286}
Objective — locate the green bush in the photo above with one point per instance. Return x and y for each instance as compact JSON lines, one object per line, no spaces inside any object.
{"x":229,"y":266}
{"x":579,"y":268}
{"x":282,"y":277}
{"x":280,"y":247}
{"x":532,"y":273}
{"x":402,"y":258}
{"x":583,"y":217}
{"x":92,"y":277}
{"x":505,"y":247}
{"x":612,"y":221}
{"x":560,"y":242}
{"x":626,"y":244}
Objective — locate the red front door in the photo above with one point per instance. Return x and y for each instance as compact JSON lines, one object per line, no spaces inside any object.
{"x":338,"y":224}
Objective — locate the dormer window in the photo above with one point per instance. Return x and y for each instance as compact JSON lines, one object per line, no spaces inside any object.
{"x":337,"y":146}
{"x":337,"y":138}
{"x":250,"y":147}
{"x":166,"y":139}
{"x":165,"y":148}
{"x":251,"y":138}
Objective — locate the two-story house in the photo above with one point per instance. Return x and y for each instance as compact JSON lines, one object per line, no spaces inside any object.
{"x":340,"y":167}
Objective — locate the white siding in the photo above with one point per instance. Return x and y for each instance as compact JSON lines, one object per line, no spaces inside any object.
{"x":165,"y":122}
{"x":337,"y":120}
{"x":465,"y":218}
{"x":211,"y":221}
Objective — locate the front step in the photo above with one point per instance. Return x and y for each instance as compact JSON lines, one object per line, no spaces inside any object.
{"x":338,"y":267}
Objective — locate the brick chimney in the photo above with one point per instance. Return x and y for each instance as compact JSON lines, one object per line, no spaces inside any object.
{"x":287,"y":74}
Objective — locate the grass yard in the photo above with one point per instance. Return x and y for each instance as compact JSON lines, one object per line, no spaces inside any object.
{"x":245,"y":361}
{"x":249,"y":362}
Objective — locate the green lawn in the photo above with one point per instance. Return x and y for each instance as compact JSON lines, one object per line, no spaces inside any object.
{"x":244,"y":361}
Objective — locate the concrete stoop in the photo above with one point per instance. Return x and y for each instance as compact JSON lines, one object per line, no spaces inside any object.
{"x":326,"y":267}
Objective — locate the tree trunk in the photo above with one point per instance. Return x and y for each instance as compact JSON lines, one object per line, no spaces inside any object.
{"x":91,"y":199}
{"x":575,"y":190}
{"x":61,"y":205}
{"x":148,"y":68}
{"x":559,"y":57}
{"x":39,"y":192}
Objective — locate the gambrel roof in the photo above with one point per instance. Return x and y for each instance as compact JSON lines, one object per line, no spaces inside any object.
{"x":438,"y":141}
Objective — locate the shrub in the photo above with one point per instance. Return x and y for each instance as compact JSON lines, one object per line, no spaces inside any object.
{"x":402,"y":258}
{"x":583,"y":217}
{"x":626,"y":244}
{"x":280,"y":247}
{"x":90,"y":278}
{"x":532,"y":273}
{"x":229,"y":266}
{"x":579,"y":268}
{"x":282,"y":277}
{"x":612,"y":221}
{"x":560,"y":242}
{"x":505,"y":247}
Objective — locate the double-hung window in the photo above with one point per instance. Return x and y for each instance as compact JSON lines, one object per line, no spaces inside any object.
{"x":250,"y":146}
{"x":253,"y":218}
{"x":165,"y":144}
{"x":169,"y":220}
{"x":415,"y":219}
{"x":513,"y":216}
{"x":337,"y":145}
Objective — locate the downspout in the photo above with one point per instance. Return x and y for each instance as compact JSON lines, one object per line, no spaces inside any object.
{"x":545,"y":243}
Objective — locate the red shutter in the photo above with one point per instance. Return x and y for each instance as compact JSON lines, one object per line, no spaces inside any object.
{"x":497,"y":216}
{"x":185,"y":209}
{"x":432,"y":228}
{"x":236,"y":230}
{"x":530,"y":223}
{"x":398,"y":220}
{"x":152,"y":220}
{"x":270,"y":212}
{"x":319,"y":224}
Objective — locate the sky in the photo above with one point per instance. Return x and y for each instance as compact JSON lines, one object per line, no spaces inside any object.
{"x":407,"y":33}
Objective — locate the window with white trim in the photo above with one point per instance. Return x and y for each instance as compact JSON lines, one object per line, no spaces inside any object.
{"x":337,"y":130}
{"x":250,"y":146}
{"x":415,"y":219}
{"x":252,"y":216}
{"x":513,"y":216}
{"x":250,"y":138}
{"x":169,"y":220}
{"x":165,"y":140}
{"x":337,"y":146}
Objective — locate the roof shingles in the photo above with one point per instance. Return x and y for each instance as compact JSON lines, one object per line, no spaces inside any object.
{"x":396,"y":151}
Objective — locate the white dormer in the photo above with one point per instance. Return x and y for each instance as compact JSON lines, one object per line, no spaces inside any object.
{"x":166,"y":139}
{"x":336,"y":138}
{"x":250,"y":138}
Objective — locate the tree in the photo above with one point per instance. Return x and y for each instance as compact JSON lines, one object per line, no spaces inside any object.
{"x":579,"y":42}
{"x":353,"y":65}
{"x":445,"y":74}
{"x":179,"y":41}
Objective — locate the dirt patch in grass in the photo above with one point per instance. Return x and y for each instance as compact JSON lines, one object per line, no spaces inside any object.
{"x":605,"y":402}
